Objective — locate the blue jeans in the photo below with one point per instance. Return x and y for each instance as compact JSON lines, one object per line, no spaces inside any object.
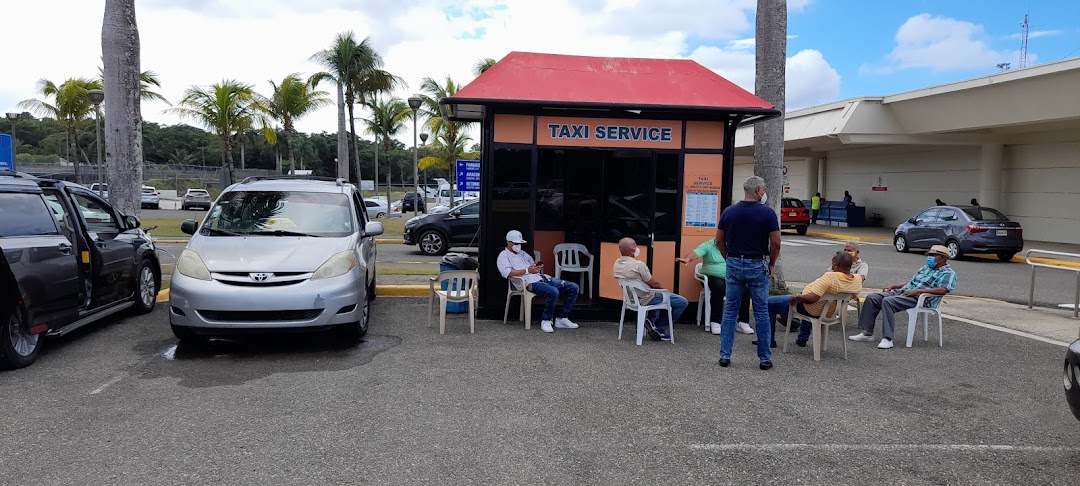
{"x":551,"y":291}
{"x":778,"y":307}
{"x":747,"y":276}
{"x":678,"y":305}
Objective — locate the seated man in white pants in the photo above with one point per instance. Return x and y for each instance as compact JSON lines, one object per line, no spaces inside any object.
{"x":936,"y":278}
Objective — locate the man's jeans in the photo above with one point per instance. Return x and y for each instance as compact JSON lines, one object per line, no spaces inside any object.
{"x":551,"y":291}
{"x":678,"y":305}
{"x":778,"y":307}
{"x":890,"y":302}
{"x":747,"y":278}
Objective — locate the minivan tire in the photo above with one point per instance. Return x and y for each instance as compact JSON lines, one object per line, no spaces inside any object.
{"x":145,"y":276}
{"x":10,"y":358}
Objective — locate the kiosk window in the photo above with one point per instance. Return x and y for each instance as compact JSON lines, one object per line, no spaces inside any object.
{"x":668,"y":217}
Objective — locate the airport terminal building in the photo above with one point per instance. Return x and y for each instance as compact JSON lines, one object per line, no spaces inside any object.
{"x":1011,"y":140}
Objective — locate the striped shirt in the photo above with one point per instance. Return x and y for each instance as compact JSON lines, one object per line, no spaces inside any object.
{"x":929,"y":278}
{"x":831,"y":283}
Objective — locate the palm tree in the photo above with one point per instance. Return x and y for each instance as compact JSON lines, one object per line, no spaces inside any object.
{"x":291,"y":100}
{"x":226,"y":109}
{"x":67,"y":102}
{"x":125,"y":85}
{"x":442,"y":154}
{"x":388,"y":116}
{"x":181,"y":157}
{"x":483,"y":65}
{"x":769,"y":84}
{"x":148,"y":81}
{"x":449,"y":131}
{"x":356,"y":69}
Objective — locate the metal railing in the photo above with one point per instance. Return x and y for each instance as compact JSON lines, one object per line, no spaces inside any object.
{"x":1034,"y":265}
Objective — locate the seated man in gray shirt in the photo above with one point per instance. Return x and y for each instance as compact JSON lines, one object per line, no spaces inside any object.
{"x":515,"y":262}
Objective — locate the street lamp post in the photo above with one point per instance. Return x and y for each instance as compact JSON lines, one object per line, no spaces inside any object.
{"x":96,"y":97}
{"x":414,"y":103}
{"x":423,"y":143}
{"x":12,"y":117}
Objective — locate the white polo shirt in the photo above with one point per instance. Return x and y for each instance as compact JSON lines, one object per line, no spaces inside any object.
{"x":509,"y":261}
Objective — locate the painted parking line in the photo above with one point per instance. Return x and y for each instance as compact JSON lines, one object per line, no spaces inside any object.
{"x":789,"y":447}
{"x":113,"y":381}
{"x":1006,"y":330}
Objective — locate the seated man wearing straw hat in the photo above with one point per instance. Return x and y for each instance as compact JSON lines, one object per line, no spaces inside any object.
{"x":936,"y":278}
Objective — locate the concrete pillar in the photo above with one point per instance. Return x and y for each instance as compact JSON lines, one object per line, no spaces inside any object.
{"x":811,"y":176}
{"x":822,"y":179}
{"x":990,"y":175}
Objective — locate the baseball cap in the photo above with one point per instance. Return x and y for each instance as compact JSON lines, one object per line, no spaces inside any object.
{"x":514,"y":236}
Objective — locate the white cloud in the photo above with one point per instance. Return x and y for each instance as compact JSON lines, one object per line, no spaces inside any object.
{"x":198,"y":42}
{"x":1035,"y":34}
{"x":940,"y":44}
{"x":810,"y":78}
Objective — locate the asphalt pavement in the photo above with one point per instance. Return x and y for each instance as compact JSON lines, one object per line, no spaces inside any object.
{"x":119,"y":403}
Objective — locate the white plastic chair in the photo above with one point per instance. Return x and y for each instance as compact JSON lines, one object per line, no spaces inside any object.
{"x":526,"y":301}
{"x":570,"y":257}
{"x":631,"y":302}
{"x":461,"y":287}
{"x":704,"y":307}
{"x":834,"y":312}
{"x":921,"y":311}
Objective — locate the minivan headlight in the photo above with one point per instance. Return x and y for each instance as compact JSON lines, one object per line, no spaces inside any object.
{"x":191,"y":265}
{"x":337,"y":266}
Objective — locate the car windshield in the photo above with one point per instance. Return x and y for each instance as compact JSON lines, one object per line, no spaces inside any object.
{"x":280,"y":213}
{"x":985,"y":214}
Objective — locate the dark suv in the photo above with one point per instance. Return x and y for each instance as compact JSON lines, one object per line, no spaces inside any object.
{"x":69,"y":259}
{"x":436,"y":233}
{"x":409,"y":199}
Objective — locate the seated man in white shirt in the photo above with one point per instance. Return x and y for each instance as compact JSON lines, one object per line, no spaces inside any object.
{"x":860,"y":267}
{"x":515,"y":262}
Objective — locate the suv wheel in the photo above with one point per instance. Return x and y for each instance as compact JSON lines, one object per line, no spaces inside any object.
{"x":18,"y":347}
{"x":432,"y":242}
{"x":145,"y":288}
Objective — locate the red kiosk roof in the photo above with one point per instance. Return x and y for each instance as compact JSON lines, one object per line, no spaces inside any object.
{"x":612,"y":81}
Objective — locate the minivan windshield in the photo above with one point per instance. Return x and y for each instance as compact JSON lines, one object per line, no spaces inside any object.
{"x":280,"y":213}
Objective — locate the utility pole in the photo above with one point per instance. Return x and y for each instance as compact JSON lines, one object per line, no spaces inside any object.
{"x":1024,"y":29}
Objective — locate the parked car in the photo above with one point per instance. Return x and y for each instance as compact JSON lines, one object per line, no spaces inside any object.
{"x":962,"y":229}
{"x":435,"y":234}
{"x":150,"y":198}
{"x":100,"y":189}
{"x":67,"y":269}
{"x":794,"y":215}
{"x":277,"y":253}
{"x":1072,"y":377}
{"x":375,"y":209}
{"x":195,"y":198}
{"x":409,"y":199}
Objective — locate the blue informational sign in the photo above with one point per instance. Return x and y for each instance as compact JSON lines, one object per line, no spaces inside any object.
{"x":7,"y":153}
{"x":468,"y":175}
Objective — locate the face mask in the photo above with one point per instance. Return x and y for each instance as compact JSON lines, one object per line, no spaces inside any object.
{"x":516,"y":248}
{"x":851,"y":253}
{"x":637,"y":252}
{"x":931,"y":261}
{"x":764,"y":198}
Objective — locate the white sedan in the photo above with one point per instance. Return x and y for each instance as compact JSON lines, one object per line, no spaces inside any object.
{"x":375,"y":208}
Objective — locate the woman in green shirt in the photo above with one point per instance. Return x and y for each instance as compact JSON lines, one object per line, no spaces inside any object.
{"x":714,"y":268}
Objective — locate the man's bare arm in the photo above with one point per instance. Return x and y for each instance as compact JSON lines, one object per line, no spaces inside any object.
{"x":720,"y":243}
{"x":774,"y":248}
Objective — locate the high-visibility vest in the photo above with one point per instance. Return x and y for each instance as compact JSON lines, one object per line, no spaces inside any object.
{"x":815,"y":203}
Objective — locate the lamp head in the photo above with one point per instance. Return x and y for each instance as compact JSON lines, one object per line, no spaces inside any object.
{"x":12,"y":116}
{"x":414,"y":102}
{"x":423,"y":137}
{"x":96,"y":96}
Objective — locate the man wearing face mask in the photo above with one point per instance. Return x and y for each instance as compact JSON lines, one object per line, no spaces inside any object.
{"x":936,"y":278}
{"x":749,"y":238}
{"x":514,"y":262}
{"x":629,"y":267}
{"x":859,"y":267}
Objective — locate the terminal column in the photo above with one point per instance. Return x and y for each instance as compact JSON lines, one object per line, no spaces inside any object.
{"x":990,"y":175}
{"x":811,"y":176}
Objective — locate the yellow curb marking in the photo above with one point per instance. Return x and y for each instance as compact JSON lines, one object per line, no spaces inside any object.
{"x":163,"y":296}
{"x":841,"y":236}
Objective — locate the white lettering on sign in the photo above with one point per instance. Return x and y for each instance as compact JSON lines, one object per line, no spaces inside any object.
{"x":609,"y":132}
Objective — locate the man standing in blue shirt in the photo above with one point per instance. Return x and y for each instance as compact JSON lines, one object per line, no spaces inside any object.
{"x":749,"y":239}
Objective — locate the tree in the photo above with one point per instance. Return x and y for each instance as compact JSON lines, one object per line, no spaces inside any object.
{"x":350,"y":65}
{"x":67,"y":102}
{"x":226,"y":109}
{"x":769,"y":84}
{"x":123,"y":113}
{"x":449,"y":131}
{"x":483,"y":65}
{"x":181,"y":157}
{"x":291,"y":100}
{"x":388,"y":116}
{"x":442,"y":154}
{"x":148,"y":81}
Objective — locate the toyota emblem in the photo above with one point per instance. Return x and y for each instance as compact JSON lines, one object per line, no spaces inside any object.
{"x":261,"y":277}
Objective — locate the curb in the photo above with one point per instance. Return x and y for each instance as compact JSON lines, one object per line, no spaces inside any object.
{"x":841,"y":236}
{"x":163,"y":296}
{"x":381,"y":241}
{"x":402,"y":290}
{"x":171,"y":240}
{"x":389,"y":241}
{"x":1020,"y":259}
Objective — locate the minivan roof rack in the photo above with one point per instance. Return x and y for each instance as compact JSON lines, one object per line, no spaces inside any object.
{"x":338,"y":180}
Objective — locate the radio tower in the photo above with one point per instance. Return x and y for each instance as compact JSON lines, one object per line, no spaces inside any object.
{"x":1024,"y":42}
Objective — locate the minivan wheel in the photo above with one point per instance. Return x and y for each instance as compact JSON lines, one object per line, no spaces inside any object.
{"x":1006,"y":256}
{"x":356,"y":330}
{"x":432,"y":243}
{"x":145,"y":288}
{"x":18,"y":346}
{"x":954,"y":249}
{"x":900,"y":242}
{"x":188,"y":337}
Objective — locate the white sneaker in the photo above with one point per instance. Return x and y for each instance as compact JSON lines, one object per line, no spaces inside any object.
{"x":564,"y":323}
{"x":885,"y":344}
{"x":714,"y":328}
{"x":744,"y":328}
{"x":861,"y":337}
{"x":546,"y":326}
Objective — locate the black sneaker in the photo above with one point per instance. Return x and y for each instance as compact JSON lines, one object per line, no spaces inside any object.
{"x":800,"y":343}
{"x":654,"y":334}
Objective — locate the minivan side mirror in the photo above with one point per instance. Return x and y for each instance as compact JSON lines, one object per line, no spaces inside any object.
{"x":189,"y":226}
{"x":132,"y":222}
{"x":373,"y":228}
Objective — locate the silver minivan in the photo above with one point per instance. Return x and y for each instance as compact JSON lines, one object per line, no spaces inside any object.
{"x":277,"y":253}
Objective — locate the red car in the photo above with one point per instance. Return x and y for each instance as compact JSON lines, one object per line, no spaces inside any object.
{"x":794,"y":215}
